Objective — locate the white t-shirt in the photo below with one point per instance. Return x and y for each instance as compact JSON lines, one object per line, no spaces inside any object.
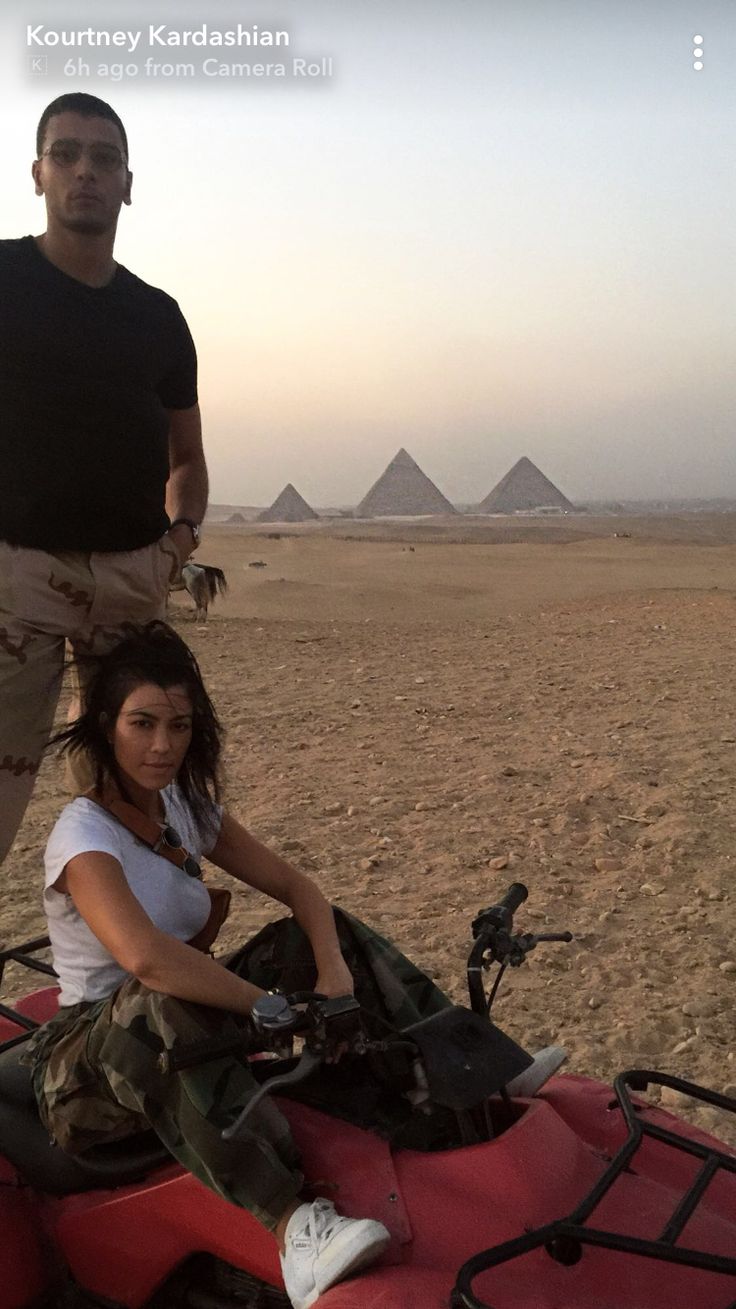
{"x":176,"y":903}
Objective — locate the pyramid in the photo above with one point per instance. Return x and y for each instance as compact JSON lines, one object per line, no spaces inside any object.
{"x":288,"y":507}
{"x":403,"y":490}
{"x":523,"y":487}
{"x":236,"y":518}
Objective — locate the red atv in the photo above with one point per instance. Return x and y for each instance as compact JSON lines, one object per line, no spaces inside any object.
{"x":579,"y":1197}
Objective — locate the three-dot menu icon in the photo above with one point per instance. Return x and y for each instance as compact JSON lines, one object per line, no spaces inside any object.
{"x":698,"y":54}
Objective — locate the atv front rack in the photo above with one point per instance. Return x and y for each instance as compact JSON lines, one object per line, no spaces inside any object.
{"x":564,"y":1239}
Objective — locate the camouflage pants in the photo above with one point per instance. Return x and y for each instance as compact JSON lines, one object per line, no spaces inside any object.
{"x":45,"y":600}
{"x":96,"y":1075}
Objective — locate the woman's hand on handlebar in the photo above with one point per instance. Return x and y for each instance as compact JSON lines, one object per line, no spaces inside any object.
{"x":336,"y":979}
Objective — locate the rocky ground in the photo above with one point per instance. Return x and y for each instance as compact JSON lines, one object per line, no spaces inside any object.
{"x":586,"y":747}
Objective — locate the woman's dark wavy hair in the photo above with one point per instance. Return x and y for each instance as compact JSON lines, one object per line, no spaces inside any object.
{"x":151,"y":653}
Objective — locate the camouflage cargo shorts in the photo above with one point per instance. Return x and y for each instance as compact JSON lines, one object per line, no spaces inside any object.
{"x":87,"y":599}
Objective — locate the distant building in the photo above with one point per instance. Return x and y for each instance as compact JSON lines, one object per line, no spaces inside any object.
{"x":403,"y":491}
{"x":288,"y":507}
{"x":525,"y":489}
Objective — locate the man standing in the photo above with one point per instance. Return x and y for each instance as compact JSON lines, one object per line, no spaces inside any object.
{"x":103,"y":482}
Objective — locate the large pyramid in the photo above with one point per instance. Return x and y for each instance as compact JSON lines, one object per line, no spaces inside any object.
{"x":403,"y":490}
{"x":523,"y":487}
{"x":288,"y":507}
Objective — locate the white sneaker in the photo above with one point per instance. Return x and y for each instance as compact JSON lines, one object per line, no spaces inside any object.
{"x":322,"y":1247}
{"x":533,"y":1078}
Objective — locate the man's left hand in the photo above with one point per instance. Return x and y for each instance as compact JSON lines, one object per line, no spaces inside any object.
{"x":181,"y":536}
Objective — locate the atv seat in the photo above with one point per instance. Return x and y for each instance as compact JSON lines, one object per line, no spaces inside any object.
{"x":25,"y":1143}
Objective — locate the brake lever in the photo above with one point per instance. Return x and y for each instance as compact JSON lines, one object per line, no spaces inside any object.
{"x":309,"y":1061}
{"x":275,"y":1013}
{"x":521,"y":945}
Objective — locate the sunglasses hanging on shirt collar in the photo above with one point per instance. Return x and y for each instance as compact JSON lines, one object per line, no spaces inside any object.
{"x":164,"y":841}
{"x":169,"y":844}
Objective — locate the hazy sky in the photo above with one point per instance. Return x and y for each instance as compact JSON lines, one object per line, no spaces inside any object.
{"x":501,"y":227}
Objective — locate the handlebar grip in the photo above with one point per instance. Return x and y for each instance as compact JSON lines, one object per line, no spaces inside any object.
{"x":514,"y":897}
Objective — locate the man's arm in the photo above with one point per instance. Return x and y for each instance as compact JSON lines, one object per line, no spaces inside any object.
{"x":187,"y":487}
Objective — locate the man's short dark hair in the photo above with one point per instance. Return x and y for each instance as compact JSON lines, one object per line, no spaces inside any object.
{"x":78,"y":102}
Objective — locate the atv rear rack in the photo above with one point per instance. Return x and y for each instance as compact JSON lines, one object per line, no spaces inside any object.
{"x":23,"y":954}
{"x":564,"y":1239}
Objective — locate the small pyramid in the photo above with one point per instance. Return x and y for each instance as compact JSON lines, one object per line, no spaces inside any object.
{"x":237,"y":517}
{"x":523,"y":487}
{"x":403,"y":490}
{"x":288,"y":507}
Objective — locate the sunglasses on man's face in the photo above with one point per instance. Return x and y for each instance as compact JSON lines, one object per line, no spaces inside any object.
{"x":101,"y":154}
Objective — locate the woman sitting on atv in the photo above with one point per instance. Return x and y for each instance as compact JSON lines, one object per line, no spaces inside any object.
{"x":123,"y":914}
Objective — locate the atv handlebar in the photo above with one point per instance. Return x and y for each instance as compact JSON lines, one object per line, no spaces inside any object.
{"x":330,"y":1025}
{"x":514,"y":897}
{"x":500,"y":916}
{"x":326,"y":1021}
{"x":494,"y":942}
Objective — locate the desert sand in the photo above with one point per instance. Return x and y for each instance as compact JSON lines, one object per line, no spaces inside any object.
{"x":420,"y":713}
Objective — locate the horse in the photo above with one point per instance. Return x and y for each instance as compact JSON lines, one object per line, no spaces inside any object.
{"x":204,"y":583}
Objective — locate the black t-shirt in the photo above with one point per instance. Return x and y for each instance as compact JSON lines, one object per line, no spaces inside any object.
{"x":86,"y":376}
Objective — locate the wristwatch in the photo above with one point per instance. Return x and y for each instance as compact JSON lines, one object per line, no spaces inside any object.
{"x":193,"y":528}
